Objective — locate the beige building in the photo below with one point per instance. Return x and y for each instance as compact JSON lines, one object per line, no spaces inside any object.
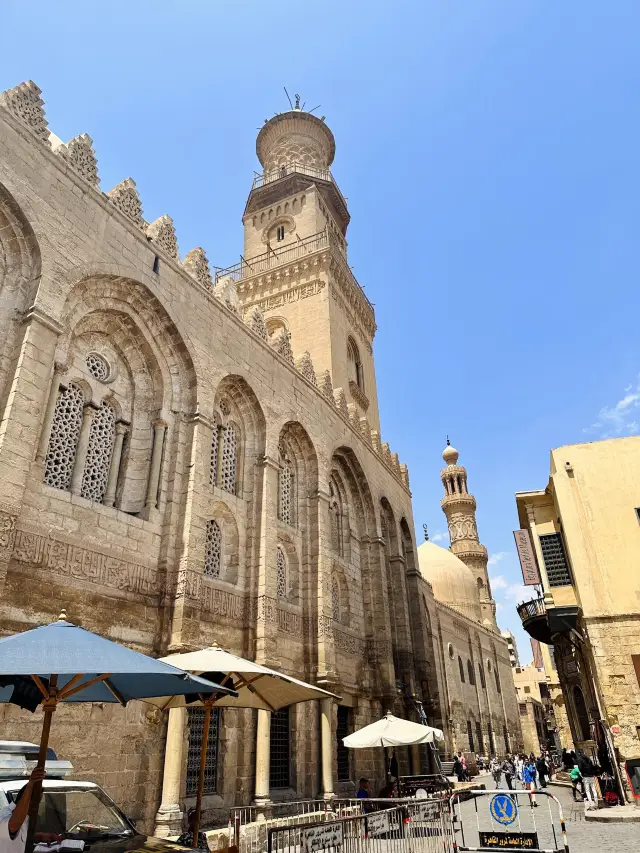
{"x":532,"y":682}
{"x":512,"y":646}
{"x":188,"y":458}
{"x":584,"y":528}
{"x":532,"y":722}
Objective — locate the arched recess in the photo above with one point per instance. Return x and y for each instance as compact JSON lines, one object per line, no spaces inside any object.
{"x":20,"y":269}
{"x":230,"y":566}
{"x":148,"y":377}
{"x":362,"y":560}
{"x":297,"y":502}
{"x":396,"y":591}
{"x":236,"y":404}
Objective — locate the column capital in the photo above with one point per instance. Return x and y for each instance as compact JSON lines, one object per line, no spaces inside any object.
{"x":159,"y":423}
{"x":121,"y":428}
{"x":59,"y":367}
{"x":268,"y":462}
{"x":36,"y":314}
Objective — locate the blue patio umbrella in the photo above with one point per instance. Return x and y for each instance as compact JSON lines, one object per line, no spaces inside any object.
{"x":66,"y":663}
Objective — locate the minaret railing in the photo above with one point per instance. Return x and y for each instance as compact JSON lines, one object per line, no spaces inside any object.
{"x":268,"y":177}
{"x":272,"y":258}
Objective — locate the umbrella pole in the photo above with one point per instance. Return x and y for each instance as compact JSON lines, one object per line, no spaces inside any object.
{"x":49,"y":706}
{"x":203,"y":762}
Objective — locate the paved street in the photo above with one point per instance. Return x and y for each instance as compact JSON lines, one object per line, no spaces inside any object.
{"x":583,"y":836}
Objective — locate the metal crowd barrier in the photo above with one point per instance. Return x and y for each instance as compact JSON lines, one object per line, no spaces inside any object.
{"x":508,"y":821}
{"x":252,"y":838}
{"x":384,"y":826}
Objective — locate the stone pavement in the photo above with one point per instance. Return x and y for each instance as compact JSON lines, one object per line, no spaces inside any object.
{"x":588,"y":837}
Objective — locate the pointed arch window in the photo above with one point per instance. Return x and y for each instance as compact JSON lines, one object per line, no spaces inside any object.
{"x":470,"y":672}
{"x":229,"y":458}
{"x":213,"y":471}
{"x":461,"y":668}
{"x":335,"y":517}
{"x":335,"y":599}
{"x":282,"y":571}
{"x":63,"y":439}
{"x":354,"y":364}
{"x":99,"y":452}
{"x":286,"y":495}
{"x":213,"y":550}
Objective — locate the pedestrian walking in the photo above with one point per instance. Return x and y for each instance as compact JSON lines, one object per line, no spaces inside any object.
{"x":495,"y":769}
{"x":458,"y":769}
{"x":509,"y":772}
{"x":576,"y":780}
{"x":529,"y":781}
{"x":543,"y":771}
{"x":588,"y":771}
{"x":463,"y":761}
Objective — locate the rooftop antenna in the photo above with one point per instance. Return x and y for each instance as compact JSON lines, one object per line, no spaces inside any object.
{"x":316,"y":108}
{"x":426,"y":532}
{"x":288,"y":98}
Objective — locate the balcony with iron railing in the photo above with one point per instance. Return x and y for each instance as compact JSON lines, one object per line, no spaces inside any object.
{"x":533,"y":615}
{"x":274,"y":258}
{"x":269,"y":177}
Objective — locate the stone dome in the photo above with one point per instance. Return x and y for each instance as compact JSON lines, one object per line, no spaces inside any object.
{"x":453,"y":582}
{"x":450,"y":454}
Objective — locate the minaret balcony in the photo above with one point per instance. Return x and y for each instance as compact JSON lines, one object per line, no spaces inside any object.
{"x":284,"y":171}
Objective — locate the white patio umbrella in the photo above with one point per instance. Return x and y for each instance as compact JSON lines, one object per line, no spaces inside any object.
{"x":257,"y":686}
{"x":391,"y":731}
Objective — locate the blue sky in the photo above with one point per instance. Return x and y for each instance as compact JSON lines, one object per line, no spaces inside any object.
{"x":489,"y":152}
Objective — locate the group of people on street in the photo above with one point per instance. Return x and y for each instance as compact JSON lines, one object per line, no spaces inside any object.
{"x":531,"y":771}
{"x":582,"y":772}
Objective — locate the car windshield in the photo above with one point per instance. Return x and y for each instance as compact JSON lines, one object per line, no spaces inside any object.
{"x":78,"y":813}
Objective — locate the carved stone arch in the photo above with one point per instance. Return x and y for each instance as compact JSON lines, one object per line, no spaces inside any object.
{"x":230,"y":565}
{"x":280,"y":219}
{"x":274,"y":324}
{"x":20,"y":271}
{"x":246,"y":413}
{"x":287,"y":543}
{"x":340,"y":582}
{"x":155,"y":374}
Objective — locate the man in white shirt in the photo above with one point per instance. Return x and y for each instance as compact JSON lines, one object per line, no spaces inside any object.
{"x":14,"y":820}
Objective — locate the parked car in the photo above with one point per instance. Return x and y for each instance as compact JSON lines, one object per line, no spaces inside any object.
{"x":70,"y":809}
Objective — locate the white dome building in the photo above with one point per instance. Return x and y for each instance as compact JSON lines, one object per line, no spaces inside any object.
{"x":452,"y":581}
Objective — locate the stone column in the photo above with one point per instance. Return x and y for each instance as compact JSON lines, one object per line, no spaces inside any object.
{"x":114,"y":468}
{"x":81,"y":451}
{"x":266,"y":625}
{"x":263,"y":757}
{"x":414,"y":759}
{"x":159,"y":429}
{"x":326,"y":746}
{"x":326,"y":646}
{"x":169,"y":816}
{"x":45,"y":433}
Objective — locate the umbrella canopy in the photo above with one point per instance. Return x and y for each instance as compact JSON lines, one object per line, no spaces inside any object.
{"x":257,"y":686}
{"x":391,"y":731}
{"x":90,"y":668}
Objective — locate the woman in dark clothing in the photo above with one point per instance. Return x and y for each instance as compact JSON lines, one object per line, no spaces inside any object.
{"x":543,"y":771}
{"x":458,"y":769}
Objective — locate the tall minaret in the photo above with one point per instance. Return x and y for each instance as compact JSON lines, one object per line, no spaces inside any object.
{"x":460,"y":508}
{"x":295,"y":266}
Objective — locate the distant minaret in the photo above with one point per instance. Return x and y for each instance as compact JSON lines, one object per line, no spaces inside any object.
{"x":460,"y":508}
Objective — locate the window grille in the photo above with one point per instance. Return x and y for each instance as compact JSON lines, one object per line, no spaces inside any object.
{"x":228,"y":467}
{"x":213,"y":472}
{"x":555,"y":559}
{"x":483,"y":683}
{"x":285,"y":491}
{"x":213,"y":550}
{"x":97,"y":366}
{"x":336,"y":522}
{"x":497,"y":675}
{"x":479,"y":738}
{"x":280,"y":752}
{"x":63,"y":441}
{"x":470,"y":672}
{"x":342,"y":730}
{"x":102,"y":435}
{"x":461,"y":668}
{"x":196,"y":732}
{"x":280,"y":233}
{"x":523,"y":709}
{"x":335,"y":598}
{"x":470,"y":736}
{"x":281,"y":574}
{"x":492,"y":746}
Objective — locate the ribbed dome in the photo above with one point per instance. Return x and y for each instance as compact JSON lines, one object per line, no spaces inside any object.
{"x":452,"y":581}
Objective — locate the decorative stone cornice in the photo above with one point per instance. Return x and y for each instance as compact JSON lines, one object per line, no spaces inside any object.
{"x":79,"y":154}
{"x":197,"y":265}
{"x":358,"y":395}
{"x":25,"y":103}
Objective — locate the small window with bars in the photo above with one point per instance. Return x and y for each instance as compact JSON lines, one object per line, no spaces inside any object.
{"x":343,"y":729}
{"x":196,"y":731}
{"x":470,"y":736}
{"x":555,"y":559}
{"x":523,"y":709}
{"x":280,"y":752}
{"x":479,"y":738}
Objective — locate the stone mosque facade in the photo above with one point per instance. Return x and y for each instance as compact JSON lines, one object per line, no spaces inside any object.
{"x":189,"y":458}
